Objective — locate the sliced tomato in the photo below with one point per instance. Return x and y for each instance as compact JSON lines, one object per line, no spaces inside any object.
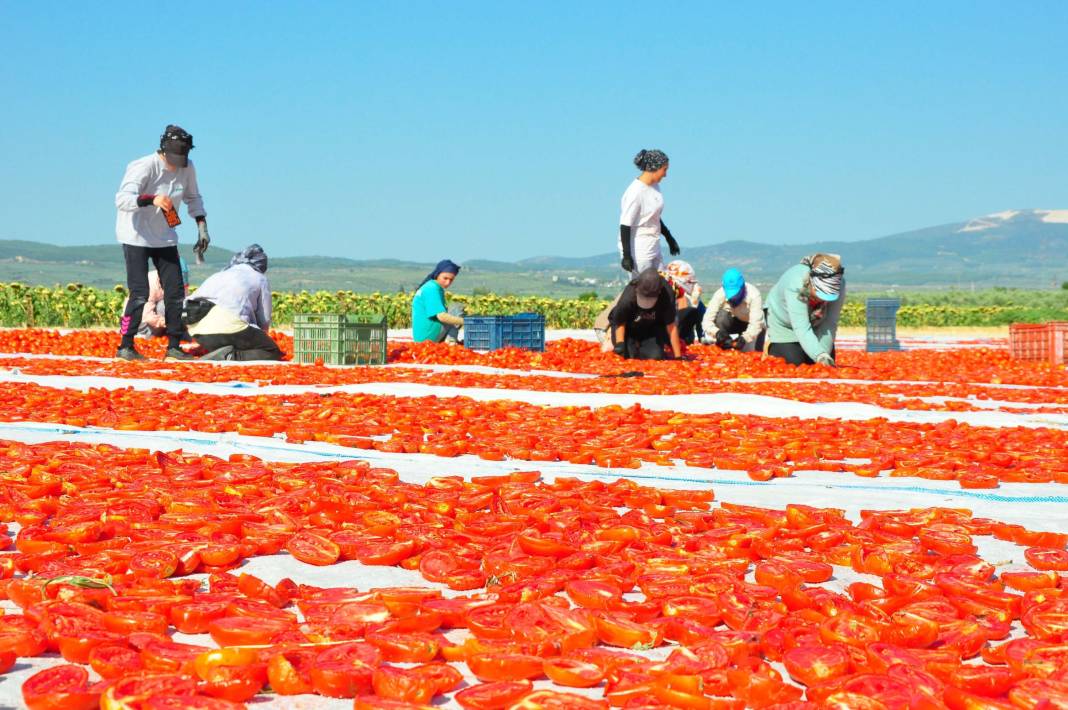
{"x":64,"y":687}
{"x":498,"y":695}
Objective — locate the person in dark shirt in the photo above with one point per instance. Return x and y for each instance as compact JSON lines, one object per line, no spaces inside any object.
{"x":643,"y":321}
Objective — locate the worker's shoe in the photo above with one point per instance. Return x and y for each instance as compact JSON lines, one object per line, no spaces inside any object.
{"x":226,"y":352}
{"x":128,"y":352}
{"x":177,"y":354}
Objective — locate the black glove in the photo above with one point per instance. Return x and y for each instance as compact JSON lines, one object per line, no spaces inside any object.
{"x":673,"y":246}
{"x":627,"y":262}
{"x":738,"y":343}
{"x":723,"y":340}
{"x":621,"y":350}
{"x":203,"y":240}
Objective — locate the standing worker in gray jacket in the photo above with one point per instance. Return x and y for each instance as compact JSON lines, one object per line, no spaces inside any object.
{"x":147,"y":203}
{"x":804,"y":308}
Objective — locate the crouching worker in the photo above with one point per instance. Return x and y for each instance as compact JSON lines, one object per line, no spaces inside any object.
{"x":689,"y":309}
{"x":643,"y":321}
{"x":154,"y":315}
{"x":432,"y":320}
{"x":231,"y":311}
{"x":804,"y":308}
{"x":735,"y":316}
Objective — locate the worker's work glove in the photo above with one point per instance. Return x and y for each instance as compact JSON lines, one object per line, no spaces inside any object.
{"x":627,"y":263}
{"x":203,"y":240}
{"x":723,"y":339}
{"x":621,"y":350}
{"x":673,"y":246}
{"x":738,"y":343}
{"x":825,"y":359}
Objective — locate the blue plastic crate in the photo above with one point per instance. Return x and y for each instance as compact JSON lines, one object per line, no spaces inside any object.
{"x":525,"y":330}
{"x":881,"y":317}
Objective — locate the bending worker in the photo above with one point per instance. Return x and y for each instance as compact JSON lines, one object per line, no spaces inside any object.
{"x":804,"y":308}
{"x":432,"y":320}
{"x":735,"y":316}
{"x":640,"y":225}
{"x":643,"y":321}
{"x":689,"y":309}
{"x":230,"y":313}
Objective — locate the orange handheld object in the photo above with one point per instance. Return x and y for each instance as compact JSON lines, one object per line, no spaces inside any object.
{"x":172,"y":217}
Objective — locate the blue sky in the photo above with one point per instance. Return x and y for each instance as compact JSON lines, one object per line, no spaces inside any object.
{"x":497,"y":130}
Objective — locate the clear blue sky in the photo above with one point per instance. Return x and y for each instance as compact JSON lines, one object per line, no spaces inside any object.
{"x":498,"y":130}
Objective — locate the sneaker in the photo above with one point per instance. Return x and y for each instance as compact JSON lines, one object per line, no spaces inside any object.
{"x":129,"y":352}
{"x":177,"y":354}
{"x":226,"y":352}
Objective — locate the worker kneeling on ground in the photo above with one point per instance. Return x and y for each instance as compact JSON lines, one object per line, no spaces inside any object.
{"x":689,"y":309}
{"x":804,"y":308}
{"x":230,"y":312}
{"x":643,"y":321}
{"x":432,"y":320}
{"x":734,"y":319}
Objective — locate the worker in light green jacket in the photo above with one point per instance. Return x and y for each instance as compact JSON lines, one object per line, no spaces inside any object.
{"x":804,"y":308}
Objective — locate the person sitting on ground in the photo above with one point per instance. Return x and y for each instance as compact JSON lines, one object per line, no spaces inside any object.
{"x":735,"y":316}
{"x":432,"y":320}
{"x":643,"y":321}
{"x":804,"y":308}
{"x":230,"y":313}
{"x":154,"y":316}
{"x":680,"y":275}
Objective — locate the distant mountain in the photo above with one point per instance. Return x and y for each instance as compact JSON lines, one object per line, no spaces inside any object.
{"x":1022,"y":248}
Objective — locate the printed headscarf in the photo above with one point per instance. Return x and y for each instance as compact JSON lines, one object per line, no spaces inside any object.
{"x":682,"y":274}
{"x":649,"y":161}
{"x":827,"y":275}
{"x":445,"y":266}
{"x":253,"y":255}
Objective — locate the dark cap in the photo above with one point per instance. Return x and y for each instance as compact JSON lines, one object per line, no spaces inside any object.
{"x":175,"y":144}
{"x":647,"y":288}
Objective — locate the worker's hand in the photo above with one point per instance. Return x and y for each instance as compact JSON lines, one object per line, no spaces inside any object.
{"x":621,"y":350}
{"x":738,"y":343}
{"x":163,"y":202}
{"x":723,"y":340}
{"x":203,"y":240}
{"x":825,"y":359}
{"x":673,"y":245}
{"x":627,"y":263}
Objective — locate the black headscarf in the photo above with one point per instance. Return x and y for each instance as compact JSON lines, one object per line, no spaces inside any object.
{"x":253,"y":255}
{"x":649,"y":161}
{"x":445,"y":266}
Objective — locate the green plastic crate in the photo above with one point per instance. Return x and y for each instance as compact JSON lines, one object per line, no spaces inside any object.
{"x":340,"y":339}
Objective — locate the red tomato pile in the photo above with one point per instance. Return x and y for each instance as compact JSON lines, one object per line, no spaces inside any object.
{"x":888,"y":396}
{"x":557,"y":582}
{"x":957,"y":366}
{"x":613,"y":437}
{"x":93,"y":343}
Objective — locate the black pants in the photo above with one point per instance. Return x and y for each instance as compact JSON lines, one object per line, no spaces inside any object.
{"x":728,"y":324}
{"x":169,"y":267}
{"x":249,"y":344}
{"x":688,"y":320}
{"x":792,"y":353}
{"x":644,"y":343}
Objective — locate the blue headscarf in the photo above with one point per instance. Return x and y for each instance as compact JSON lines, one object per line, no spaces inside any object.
{"x":253,"y":255}
{"x":445,"y":266}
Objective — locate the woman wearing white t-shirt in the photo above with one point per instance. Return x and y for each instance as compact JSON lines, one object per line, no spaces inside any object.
{"x":640,"y":225}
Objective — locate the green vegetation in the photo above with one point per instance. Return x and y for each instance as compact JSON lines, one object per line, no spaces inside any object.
{"x":78,"y":306}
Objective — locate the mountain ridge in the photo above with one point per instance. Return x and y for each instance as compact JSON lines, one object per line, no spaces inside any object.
{"x":1027,"y":248}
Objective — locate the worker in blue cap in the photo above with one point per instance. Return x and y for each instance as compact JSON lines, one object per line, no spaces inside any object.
{"x":734,"y":319}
